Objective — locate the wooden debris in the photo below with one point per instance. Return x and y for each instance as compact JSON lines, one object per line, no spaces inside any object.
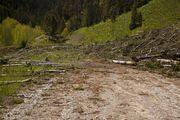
{"x":173,"y":56}
{"x":55,"y":71}
{"x":167,"y":66}
{"x":12,"y":65}
{"x":168,"y":61}
{"x":124,"y":62}
{"x":17,"y":81}
{"x":139,"y":58}
{"x":32,"y":63}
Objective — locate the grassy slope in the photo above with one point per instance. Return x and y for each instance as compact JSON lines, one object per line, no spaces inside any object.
{"x":156,"y":14}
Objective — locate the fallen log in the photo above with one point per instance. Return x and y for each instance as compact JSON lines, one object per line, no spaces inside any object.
{"x":32,"y":64}
{"x":168,"y":61}
{"x":49,"y":71}
{"x":173,"y":56}
{"x":139,"y":58}
{"x":167,"y":66}
{"x":124,"y":62}
{"x":12,"y":65}
{"x":55,"y":71}
{"x":17,"y":81}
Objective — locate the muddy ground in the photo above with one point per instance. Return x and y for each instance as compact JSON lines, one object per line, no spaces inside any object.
{"x":101,"y":91}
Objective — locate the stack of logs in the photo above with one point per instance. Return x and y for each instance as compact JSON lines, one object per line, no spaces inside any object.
{"x":164,"y":58}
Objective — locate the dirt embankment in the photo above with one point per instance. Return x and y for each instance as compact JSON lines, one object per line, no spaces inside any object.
{"x":102,"y":91}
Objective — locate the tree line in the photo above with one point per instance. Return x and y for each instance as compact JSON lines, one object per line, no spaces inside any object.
{"x":55,"y":15}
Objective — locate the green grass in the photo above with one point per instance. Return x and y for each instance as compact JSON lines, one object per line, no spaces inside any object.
{"x":67,"y":58}
{"x":156,"y":14}
{"x":57,"y":56}
{"x":17,"y":73}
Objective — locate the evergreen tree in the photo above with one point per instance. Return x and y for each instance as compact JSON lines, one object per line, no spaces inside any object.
{"x":105,"y":9}
{"x":54,"y":22}
{"x":136,"y":18}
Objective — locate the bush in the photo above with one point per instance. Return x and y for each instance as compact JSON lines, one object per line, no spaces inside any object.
{"x":23,"y":44}
{"x":153,"y":65}
{"x":6,"y":31}
{"x":14,"y":33}
{"x":176,"y":67}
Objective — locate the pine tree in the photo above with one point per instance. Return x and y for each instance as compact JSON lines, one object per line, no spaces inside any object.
{"x":53,"y":22}
{"x":136,"y":18}
{"x":113,"y":13}
{"x":105,"y":9}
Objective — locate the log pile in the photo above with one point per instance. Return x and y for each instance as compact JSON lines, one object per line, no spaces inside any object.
{"x":169,"y":56}
{"x":166,"y":60}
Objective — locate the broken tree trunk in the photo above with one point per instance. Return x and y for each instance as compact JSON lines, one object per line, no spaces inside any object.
{"x":168,"y":61}
{"x":17,"y":81}
{"x":124,"y":62}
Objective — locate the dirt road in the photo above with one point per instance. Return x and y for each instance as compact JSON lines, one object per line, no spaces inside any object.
{"x":102,"y":92}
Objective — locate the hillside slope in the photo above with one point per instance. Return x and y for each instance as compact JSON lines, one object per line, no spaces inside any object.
{"x":156,"y":14}
{"x":163,"y":43}
{"x":149,"y":42}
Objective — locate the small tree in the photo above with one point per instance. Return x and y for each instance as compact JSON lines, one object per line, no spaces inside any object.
{"x":139,"y":19}
{"x":113,"y":13}
{"x":50,"y":24}
{"x":136,"y":18}
{"x":73,"y":23}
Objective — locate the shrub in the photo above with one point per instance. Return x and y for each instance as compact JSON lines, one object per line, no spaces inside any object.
{"x":14,"y":33}
{"x":23,"y":44}
{"x":6,"y":31}
{"x":136,"y":18}
{"x":176,"y":67}
{"x":153,"y":64}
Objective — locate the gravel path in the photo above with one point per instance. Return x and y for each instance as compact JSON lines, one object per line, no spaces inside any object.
{"x":102,"y":92}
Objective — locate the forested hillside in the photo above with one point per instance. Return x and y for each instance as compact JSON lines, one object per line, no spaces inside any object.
{"x":56,"y":15}
{"x":155,"y":14}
